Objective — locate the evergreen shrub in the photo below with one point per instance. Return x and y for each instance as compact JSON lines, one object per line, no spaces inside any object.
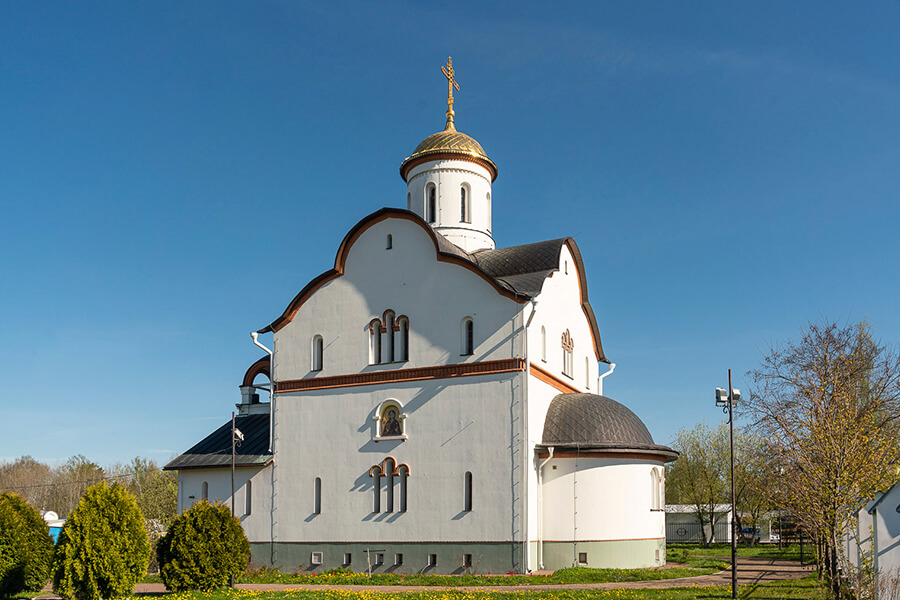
{"x":102,"y":551}
{"x":203,"y":548}
{"x":26,"y":547}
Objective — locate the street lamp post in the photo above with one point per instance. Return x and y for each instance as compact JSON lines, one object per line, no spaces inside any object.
{"x":726,"y":399}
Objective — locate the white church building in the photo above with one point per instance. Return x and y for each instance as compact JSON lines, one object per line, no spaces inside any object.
{"x":437,"y":404}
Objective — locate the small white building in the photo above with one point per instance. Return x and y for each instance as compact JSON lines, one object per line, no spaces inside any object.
{"x":876,"y":541}
{"x":683,"y":524}
{"x":438,"y":403}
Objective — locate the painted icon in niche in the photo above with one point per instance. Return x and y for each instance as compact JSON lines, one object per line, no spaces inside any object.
{"x":390,"y":424}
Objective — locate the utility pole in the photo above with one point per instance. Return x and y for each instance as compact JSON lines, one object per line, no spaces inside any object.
{"x":236,"y":438}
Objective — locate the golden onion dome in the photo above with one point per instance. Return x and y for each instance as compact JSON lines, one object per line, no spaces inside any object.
{"x":450,"y":144}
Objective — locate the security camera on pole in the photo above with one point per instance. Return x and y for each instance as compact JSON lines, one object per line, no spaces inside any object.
{"x":236,"y":438}
{"x":726,"y":399}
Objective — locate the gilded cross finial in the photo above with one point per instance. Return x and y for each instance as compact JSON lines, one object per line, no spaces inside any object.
{"x":451,"y":83}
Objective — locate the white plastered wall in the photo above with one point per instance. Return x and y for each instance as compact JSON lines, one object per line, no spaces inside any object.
{"x":558,"y":309}
{"x":448,"y":176}
{"x":435,"y":296}
{"x":454,"y":425}
{"x":600,"y":499}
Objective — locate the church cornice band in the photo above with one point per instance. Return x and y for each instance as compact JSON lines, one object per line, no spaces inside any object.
{"x":553,"y":380}
{"x":490,"y":367}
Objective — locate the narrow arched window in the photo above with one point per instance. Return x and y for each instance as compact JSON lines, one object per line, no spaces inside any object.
{"x":248,"y":497}
{"x":467,"y":503}
{"x":317,"y":496}
{"x":376,"y":489}
{"x":204,"y":491}
{"x":465,"y":206}
{"x":404,"y":477}
{"x":543,"y":343}
{"x":587,"y":372}
{"x":403,"y":338}
{"x":318,"y":347}
{"x":488,"y":211}
{"x":654,"y":489}
{"x":390,"y":242}
{"x":431,"y":203}
{"x":661,"y":489}
{"x":375,"y":342}
{"x":389,"y":470}
{"x":468,"y":336}
{"x":388,"y":346}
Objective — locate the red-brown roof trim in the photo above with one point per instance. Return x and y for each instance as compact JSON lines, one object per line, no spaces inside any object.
{"x":262,"y":366}
{"x":585,"y":303}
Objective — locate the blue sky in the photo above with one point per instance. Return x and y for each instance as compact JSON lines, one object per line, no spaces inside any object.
{"x":171,"y":174}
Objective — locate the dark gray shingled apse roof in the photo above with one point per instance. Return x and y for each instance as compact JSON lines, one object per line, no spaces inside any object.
{"x":589,"y":421}
{"x":522,"y":269}
{"x":215,"y":449}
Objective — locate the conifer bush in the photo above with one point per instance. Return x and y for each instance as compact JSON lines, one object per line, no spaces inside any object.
{"x":26,"y":547}
{"x":203,"y":548}
{"x":102,"y":551}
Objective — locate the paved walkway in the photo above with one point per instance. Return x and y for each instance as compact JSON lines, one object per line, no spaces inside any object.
{"x":750,"y":571}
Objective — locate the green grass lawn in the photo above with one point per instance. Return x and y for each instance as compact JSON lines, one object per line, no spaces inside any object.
{"x":804,"y":589}
{"x":679,"y":552}
{"x":695,"y":566}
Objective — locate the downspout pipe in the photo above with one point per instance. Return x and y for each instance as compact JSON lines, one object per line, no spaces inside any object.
{"x":541,"y":509}
{"x":254,"y":335}
{"x":612,"y":367}
{"x":534,"y":304}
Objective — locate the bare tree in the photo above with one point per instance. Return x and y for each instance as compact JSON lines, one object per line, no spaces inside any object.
{"x":827,"y":406}
{"x":28,"y":478}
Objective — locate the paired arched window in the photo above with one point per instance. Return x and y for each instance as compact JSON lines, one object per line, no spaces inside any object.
{"x":430,"y":203}
{"x":465,"y":204}
{"x":468,"y":336}
{"x":388,"y":338}
{"x":568,"y":347}
{"x":318,"y":348}
{"x":394,"y":479}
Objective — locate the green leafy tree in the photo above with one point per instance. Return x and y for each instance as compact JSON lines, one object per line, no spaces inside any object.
{"x":102,"y":551}
{"x":699,"y":477}
{"x":828,"y":407}
{"x":203,"y":548}
{"x":26,"y":547}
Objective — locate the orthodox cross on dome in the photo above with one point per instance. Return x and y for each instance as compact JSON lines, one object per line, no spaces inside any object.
{"x":451,"y":83}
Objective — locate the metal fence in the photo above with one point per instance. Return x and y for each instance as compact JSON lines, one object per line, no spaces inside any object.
{"x":691,"y":533}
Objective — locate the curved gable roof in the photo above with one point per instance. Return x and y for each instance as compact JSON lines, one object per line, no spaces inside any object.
{"x":517,"y":272}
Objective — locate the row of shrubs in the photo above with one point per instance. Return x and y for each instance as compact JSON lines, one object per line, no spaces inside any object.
{"x":103,"y":549}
